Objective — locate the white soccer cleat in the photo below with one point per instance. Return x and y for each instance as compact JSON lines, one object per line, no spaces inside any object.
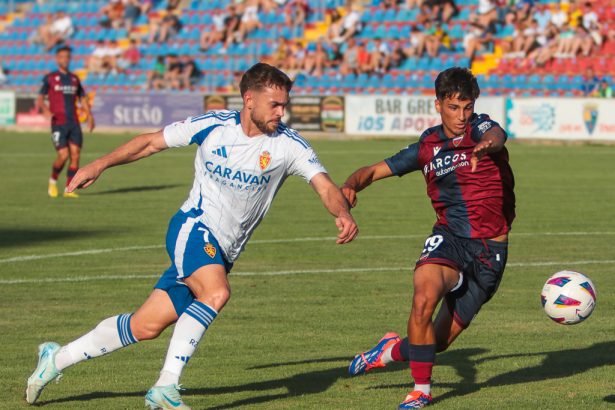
{"x":45,"y":372}
{"x":165,"y":397}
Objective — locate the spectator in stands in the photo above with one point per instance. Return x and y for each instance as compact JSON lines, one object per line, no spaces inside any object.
{"x":132,"y":11}
{"x":249,"y":20}
{"x":364,"y":58}
{"x":398,"y":55}
{"x":113,"y":52}
{"x":604,"y":89}
{"x":591,"y":83}
{"x":486,"y":13}
{"x":569,"y":42}
{"x":559,"y":17}
{"x":232,"y":22}
{"x":350,"y":25}
{"x":295,"y":56}
{"x":542,"y":15}
{"x":442,"y":10}
{"x":173,"y":72}
{"x":350,"y":63}
{"x":315,"y":58}
{"x":335,"y":57}
{"x":524,"y":9}
{"x":130,"y":57}
{"x":335,"y":25}
{"x":190,"y":73}
{"x":527,"y":40}
{"x":96,"y":62}
{"x":155,"y":76}
{"x":477,"y":38}
{"x":296,"y":13}
{"x":436,"y":40}
{"x":211,"y":37}
{"x":590,"y":30}
{"x":380,"y":58}
{"x":161,"y":30}
{"x":416,"y":45}
{"x":58,"y":29}
{"x":113,"y":14}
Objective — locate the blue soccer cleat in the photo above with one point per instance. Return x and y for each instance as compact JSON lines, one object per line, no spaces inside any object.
{"x":45,"y":371}
{"x":366,"y":361}
{"x":416,"y":400}
{"x":165,"y":397}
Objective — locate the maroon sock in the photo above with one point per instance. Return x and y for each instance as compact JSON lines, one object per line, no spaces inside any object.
{"x":396,"y":352}
{"x":421,"y":372}
{"x":70,"y":174}
{"x":55,"y":172}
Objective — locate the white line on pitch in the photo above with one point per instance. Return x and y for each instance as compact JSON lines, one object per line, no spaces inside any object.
{"x":287,"y":272}
{"x":25,"y":258}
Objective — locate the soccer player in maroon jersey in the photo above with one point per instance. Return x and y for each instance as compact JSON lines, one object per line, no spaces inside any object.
{"x":470,"y":184}
{"x":63,"y":89}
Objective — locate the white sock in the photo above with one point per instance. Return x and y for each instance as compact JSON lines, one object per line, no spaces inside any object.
{"x":386,"y":356}
{"x":189,"y":330}
{"x":425,"y":388}
{"x":52,"y":181}
{"x":110,"y":334}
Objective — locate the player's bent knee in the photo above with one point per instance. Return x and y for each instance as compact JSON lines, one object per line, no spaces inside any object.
{"x":216,"y":298}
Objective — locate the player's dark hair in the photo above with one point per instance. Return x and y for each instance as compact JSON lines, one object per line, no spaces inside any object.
{"x":262,"y":75}
{"x":64,"y":48}
{"x":457,"y":81}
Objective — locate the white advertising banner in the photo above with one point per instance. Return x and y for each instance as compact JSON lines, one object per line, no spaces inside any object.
{"x":390,"y":115}
{"x":561,"y":118}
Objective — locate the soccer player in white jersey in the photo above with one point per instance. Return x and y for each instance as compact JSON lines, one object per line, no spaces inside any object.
{"x":242,"y":160}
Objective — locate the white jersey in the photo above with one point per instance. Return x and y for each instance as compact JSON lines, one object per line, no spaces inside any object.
{"x":236,"y":177}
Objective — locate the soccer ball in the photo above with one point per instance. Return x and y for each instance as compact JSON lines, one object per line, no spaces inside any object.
{"x":568,"y":297}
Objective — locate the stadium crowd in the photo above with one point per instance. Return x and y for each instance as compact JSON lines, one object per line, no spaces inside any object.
{"x":350,"y":39}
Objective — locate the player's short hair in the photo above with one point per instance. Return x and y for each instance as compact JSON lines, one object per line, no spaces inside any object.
{"x":457,"y":81}
{"x":262,"y":75}
{"x":64,"y":48}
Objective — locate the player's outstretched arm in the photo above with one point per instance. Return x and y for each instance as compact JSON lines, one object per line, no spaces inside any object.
{"x":492,"y":141}
{"x":139,"y":147}
{"x":362,"y":178}
{"x":336,"y":204}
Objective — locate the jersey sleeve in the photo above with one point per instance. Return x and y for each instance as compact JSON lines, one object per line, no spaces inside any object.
{"x":405,"y":161}
{"x":481,"y":124}
{"x":189,"y":131}
{"x":45,"y":86}
{"x":303,"y":161}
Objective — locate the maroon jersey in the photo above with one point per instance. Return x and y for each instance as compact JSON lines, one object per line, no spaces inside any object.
{"x":63,"y":91}
{"x":478,"y":204}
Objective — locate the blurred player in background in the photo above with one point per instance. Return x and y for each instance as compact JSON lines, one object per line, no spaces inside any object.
{"x":63,"y":89}
{"x":241,"y":162}
{"x":470,"y":184}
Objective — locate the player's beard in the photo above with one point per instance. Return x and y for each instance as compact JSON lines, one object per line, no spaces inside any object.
{"x":263,"y":126}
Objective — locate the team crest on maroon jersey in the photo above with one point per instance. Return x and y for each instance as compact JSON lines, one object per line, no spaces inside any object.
{"x":457,"y":141}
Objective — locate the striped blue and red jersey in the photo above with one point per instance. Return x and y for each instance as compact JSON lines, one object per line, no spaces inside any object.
{"x":63,"y":90}
{"x":478,"y":204}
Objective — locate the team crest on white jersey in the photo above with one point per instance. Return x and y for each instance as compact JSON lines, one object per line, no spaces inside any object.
{"x":436,"y":150}
{"x":264,"y":160}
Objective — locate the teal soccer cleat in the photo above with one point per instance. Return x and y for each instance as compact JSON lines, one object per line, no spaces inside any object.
{"x":165,"y":397}
{"x":45,"y":372}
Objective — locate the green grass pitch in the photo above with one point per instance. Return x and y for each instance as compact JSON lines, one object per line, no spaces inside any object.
{"x":285,"y":339}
